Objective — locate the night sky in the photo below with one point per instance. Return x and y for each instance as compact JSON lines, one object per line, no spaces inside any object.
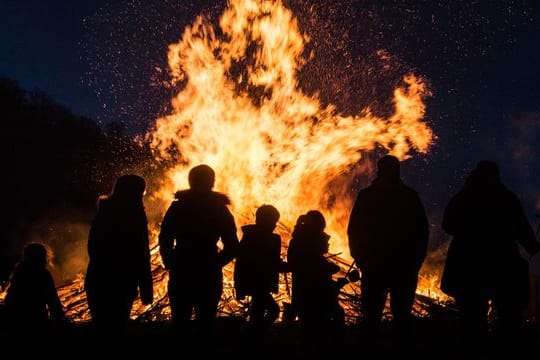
{"x":107,"y":60}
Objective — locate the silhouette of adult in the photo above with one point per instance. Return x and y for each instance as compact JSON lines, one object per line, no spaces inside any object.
{"x":314,"y":292}
{"x":257,"y":268}
{"x":31,"y":301}
{"x":118,"y":248}
{"x":388,"y":237}
{"x":487,"y":222}
{"x":191,"y":229}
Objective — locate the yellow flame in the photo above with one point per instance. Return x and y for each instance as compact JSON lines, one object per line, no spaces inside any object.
{"x":242,"y":112}
{"x":267,"y":140}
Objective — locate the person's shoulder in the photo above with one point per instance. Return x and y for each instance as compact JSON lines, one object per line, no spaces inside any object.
{"x":181,"y":195}
{"x":366,"y":191}
{"x":410,"y":190}
{"x":220,"y":198}
{"x":248,"y":229}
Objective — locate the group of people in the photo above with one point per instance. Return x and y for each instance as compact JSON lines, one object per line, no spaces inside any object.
{"x":388,"y":235}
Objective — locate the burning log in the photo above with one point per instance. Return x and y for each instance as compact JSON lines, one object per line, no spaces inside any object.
{"x":74,"y":298}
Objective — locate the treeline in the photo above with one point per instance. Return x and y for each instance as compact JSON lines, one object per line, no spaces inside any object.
{"x":55,"y":166}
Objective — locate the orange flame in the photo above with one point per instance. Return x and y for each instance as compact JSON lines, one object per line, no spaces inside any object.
{"x":267,"y":140}
{"x":242,"y":112}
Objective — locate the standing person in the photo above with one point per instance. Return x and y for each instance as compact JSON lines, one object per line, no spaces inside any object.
{"x":31,"y":301}
{"x":388,"y":238}
{"x":257,"y":268}
{"x":314,"y":292}
{"x":191,"y":229}
{"x":119,"y":252}
{"x":487,"y":222}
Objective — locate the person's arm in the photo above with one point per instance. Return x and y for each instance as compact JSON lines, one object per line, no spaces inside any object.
{"x":53,"y":301}
{"x":229,"y":238}
{"x":166,"y":236}
{"x":422,"y":230}
{"x":534,"y":304}
{"x":146,"y":286}
{"x":523,"y":231}
{"x":353,"y":229}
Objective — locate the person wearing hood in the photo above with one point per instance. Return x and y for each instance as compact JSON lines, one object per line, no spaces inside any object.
{"x":193,"y":225}
{"x":119,"y":269}
{"x":484,"y":263}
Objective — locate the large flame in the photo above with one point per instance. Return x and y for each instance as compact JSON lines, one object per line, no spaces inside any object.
{"x":241,"y":111}
{"x":267,"y":140}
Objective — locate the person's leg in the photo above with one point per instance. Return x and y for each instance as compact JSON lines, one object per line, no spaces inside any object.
{"x":373,"y":301}
{"x":180,"y":301}
{"x":473,"y":312}
{"x":402,"y":295}
{"x":206,"y":305}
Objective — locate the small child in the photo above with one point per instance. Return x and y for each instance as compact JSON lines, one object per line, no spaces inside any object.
{"x":257,"y":267}
{"x":314,"y":291}
{"x":31,"y":297}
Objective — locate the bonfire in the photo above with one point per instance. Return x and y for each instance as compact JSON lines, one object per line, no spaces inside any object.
{"x":240,"y":110}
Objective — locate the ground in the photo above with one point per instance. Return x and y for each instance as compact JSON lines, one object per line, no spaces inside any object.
{"x":155,"y":340}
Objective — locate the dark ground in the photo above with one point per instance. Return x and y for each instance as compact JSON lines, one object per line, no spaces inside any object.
{"x":155,"y":340}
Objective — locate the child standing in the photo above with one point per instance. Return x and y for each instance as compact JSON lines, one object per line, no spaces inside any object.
{"x":31,"y":297}
{"x":314,"y":291}
{"x":257,"y":268}
{"x":31,"y":301}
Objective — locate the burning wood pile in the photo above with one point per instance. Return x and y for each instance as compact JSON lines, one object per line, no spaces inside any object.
{"x":241,"y":111}
{"x":428,"y":303}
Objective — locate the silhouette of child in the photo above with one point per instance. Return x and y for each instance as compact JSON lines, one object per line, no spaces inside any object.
{"x":31,"y":302}
{"x":31,"y":296}
{"x":315,"y":292}
{"x":258,"y":265}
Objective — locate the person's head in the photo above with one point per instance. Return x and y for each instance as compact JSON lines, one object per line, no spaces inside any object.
{"x":388,"y":167}
{"x":201,"y":178}
{"x":486,"y":172}
{"x":267,"y":216}
{"x":129,"y":187}
{"x":35,"y":255}
{"x":314,"y":220}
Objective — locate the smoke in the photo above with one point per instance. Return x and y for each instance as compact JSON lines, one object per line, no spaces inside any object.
{"x":65,"y":232}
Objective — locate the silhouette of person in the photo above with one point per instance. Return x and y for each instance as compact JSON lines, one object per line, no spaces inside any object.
{"x":314,"y":292}
{"x":32,"y":300}
{"x":191,"y":229}
{"x":487,"y":222}
{"x":257,"y":268}
{"x":119,"y":267}
{"x":388,"y":237}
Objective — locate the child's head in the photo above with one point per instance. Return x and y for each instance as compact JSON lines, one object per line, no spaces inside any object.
{"x":314,"y":220}
{"x":311,"y":226}
{"x":267,"y":216}
{"x":36,"y":254}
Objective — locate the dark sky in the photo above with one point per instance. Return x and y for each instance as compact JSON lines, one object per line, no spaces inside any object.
{"x":482,"y":59}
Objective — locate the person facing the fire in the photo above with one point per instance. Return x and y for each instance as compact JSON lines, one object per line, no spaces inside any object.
{"x":31,"y":298}
{"x":314,"y":291}
{"x":33,"y":308}
{"x":191,"y":230}
{"x":119,"y":252}
{"x":388,"y":237}
{"x":257,"y":268}
{"x":488,"y":226}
